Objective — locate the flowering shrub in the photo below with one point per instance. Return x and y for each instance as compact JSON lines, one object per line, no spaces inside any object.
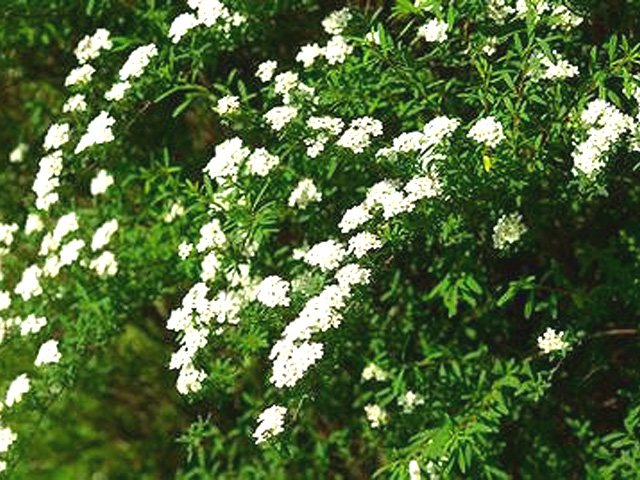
{"x":399,"y":242}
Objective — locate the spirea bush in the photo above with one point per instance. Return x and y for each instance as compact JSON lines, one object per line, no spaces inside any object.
{"x":303,"y":239}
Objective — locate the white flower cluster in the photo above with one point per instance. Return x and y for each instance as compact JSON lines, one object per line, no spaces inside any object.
{"x":66,"y":224}
{"x":7,"y":230}
{"x":538,"y":7}
{"x":508,"y":230}
{"x":227,"y":159}
{"x":211,"y":236}
{"x":17,"y":154}
{"x":176,"y":210}
{"x":76,"y":103}
{"x":358,"y":136}
{"x":336,"y":22}
{"x":326,"y":255}
{"x":376,"y":415}
{"x":551,"y":341}
{"x":607,"y":124}
{"x":138,"y":61}
{"x":565,"y":18}
{"x":499,"y":10}
{"x":57,"y":135}
{"x":409,"y":401}
{"x":326,"y":126}
{"x":33,"y":224}
{"x":117,"y":91}
{"x":7,"y":437}
{"x":271,"y":422}
{"x":207,"y":13}
{"x":361,"y":243}
{"x":273,"y":291}
{"x":98,"y":131}
{"x":47,"y":180}
{"x":79,"y":76}
{"x":304,"y":193}
{"x":105,"y":265}
{"x":278,"y":117}
{"x":89,"y":47}
{"x":558,"y":71}
{"x":266,"y":70}
{"x":261,"y":162}
{"x":434,"y":31}
{"x":488,"y":131}
{"x":17,"y":389}
{"x":100,"y":183}
{"x":29,"y":285}
{"x":228,"y":104}
{"x":103,"y":234}
{"x":374,"y":372}
{"x":48,"y":353}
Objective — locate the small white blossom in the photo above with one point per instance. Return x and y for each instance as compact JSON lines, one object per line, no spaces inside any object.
{"x":89,"y":47}
{"x":362,"y":243}
{"x":278,"y":117}
{"x":211,"y":235}
{"x":101,"y":182}
{"x":98,"y":132}
{"x":57,"y":135}
{"x":176,"y":210}
{"x":18,"y":153}
{"x":76,"y":103}
{"x":103,"y":234}
{"x":33,"y":224}
{"x":117,"y":91}
{"x":551,"y":341}
{"x":374,"y":372}
{"x":137,"y":61}
{"x":414,"y":470}
{"x":17,"y":389}
{"x":488,"y":131}
{"x":105,"y":265}
{"x":48,"y":353}
{"x":32,"y":324}
{"x":270,"y":422}
{"x":434,"y":31}
{"x":184,"y":249}
{"x":304,"y":193}
{"x":326,"y":255}
{"x":409,"y":401}
{"x":228,"y":105}
{"x":182,"y":24}
{"x":508,"y":230}
{"x":337,"y":21}
{"x":260,"y":162}
{"x":227,"y":159}
{"x":337,"y":50}
{"x":80,"y":75}
{"x":273,"y":291}
{"x":308,"y":54}
{"x":7,"y":437}
{"x":266,"y":70}
{"x":376,"y":415}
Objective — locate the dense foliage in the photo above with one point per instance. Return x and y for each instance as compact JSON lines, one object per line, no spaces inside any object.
{"x":310,"y":239}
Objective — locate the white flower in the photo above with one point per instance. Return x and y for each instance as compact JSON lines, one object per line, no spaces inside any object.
{"x":137,"y":61}
{"x":105,"y":265}
{"x":488,"y":131}
{"x":270,"y":422}
{"x":291,"y":361}
{"x":558,"y":71}
{"x":434,"y":31}
{"x":337,"y":50}
{"x":352,"y":274}
{"x":76,"y":103}
{"x":337,"y":21}
{"x":29,"y":285}
{"x":98,"y":131}
{"x":174,"y":212}
{"x":227,"y":159}
{"x":6,"y":233}
{"x":374,"y":372}
{"x":285,"y":82}
{"x":278,"y":117}
{"x":57,"y":135}
{"x":327,"y":255}
{"x":266,"y":70}
{"x":7,"y":437}
{"x":376,"y":415}
{"x":18,"y":153}
{"x":101,"y":182}
{"x":181,"y":25}
{"x":228,"y":105}
{"x":117,"y":91}
{"x":89,"y":47}
{"x":184,"y":249}
{"x":304,"y":193}
{"x":354,"y":218}
{"x":17,"y":389}
{"x":508,"y":230}
{"x":260,"y":162}
{"x":190,"y":379}
{"x":330,"y":124}
{"x":80,"y":75}
{"x":308,"y":54}
{"x":414,"y":470}
{"x":426,"y":186}
{"x":32,"y":324}
{"x":551,"y":341}
{"x":47,"y":180}
{"x":5,"y":300}
{"x":210,"y":266}
{"x":69,"y":253}
{"x":48,"y":353}
{"x":373,"y":37}
{"x":273,"y":291}
{"x":104,"y":234}
{"x":211,"y":235}
{"x":33,"y":224}
{"x":358,"y":136}
{"x":409,"y":401}
{"x":361,"y":243}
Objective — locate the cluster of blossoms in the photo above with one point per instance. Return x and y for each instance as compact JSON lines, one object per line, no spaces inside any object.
{"x":57,"y":135}
{"x":207,"y":13}
{"x":551,"y":341}
{"x":488,"y":131}
{"x":18,"y":153}
{"x":47,"y":180}
{"x":508,"y":230}
{"x":98,"y":131}
{"x":304,"y":193}
{"x":79,"y":76}
{"x":327,"y":127}
{"x":100,"y":183}
{"x":374,"y":372}
{"x":559,"y":15}
{"x":137,"y":62}
{"x":89,"y":47}
{"x":606,"y":125}
{"x":376,"y":415}
{"x":433,"y":31}
{"x":273,"y":291}
{"x":358,"y":136}
{"x":559,"y":70}
{"x":76,"y":103}
{"x":230,"y":156}
{"x":409,"y":401}
{"x":271,"y":422}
